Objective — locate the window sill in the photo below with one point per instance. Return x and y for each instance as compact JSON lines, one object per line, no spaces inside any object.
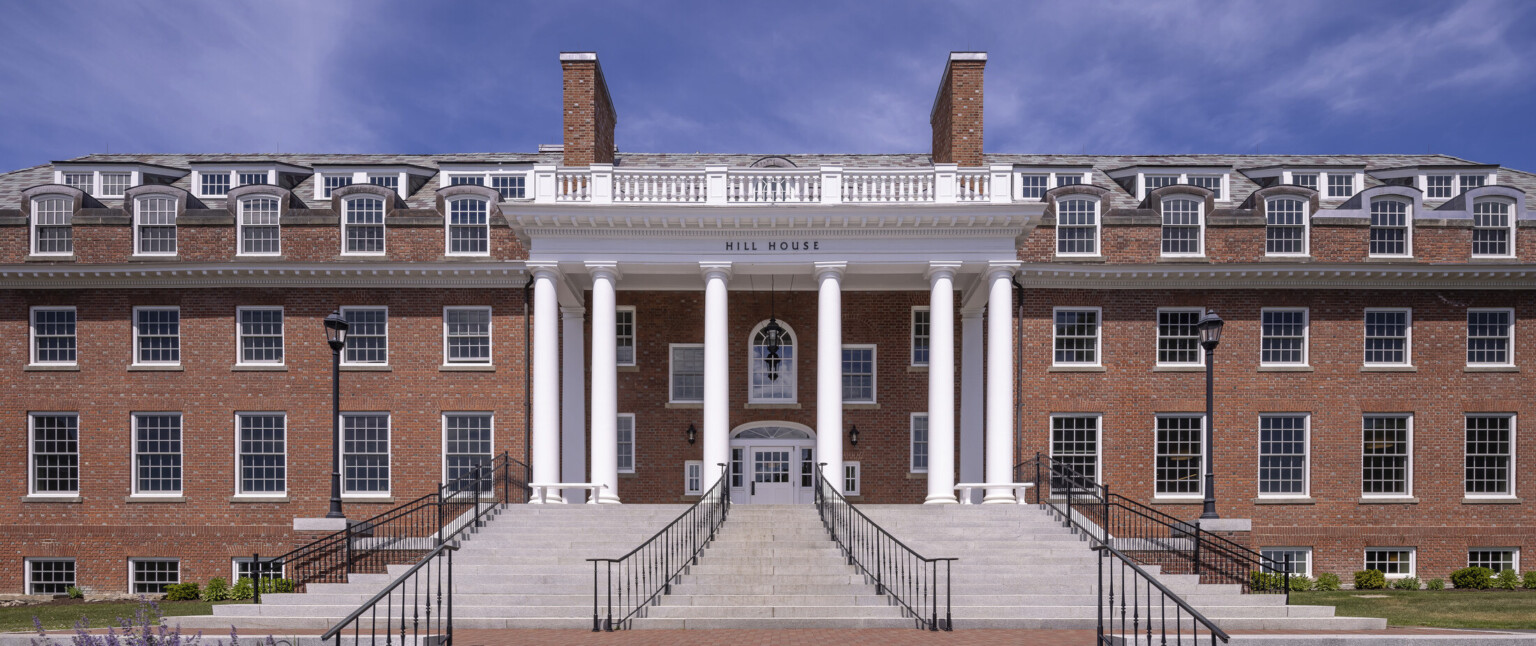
{"x":628,"y":475}
{"x":1399,"y":500}
{"x":154,"y":499}
{"x":1285,"y":259}
{"x":1178,"y":501}
{"x":153,"y":368}
{"x":1075,"y":369}
{"x":1475,"y":260}
{"x":1391,"y":259}
{"x":1389,"y":369}
{"x":1285,"y":369}
{"x":685,"y":405}
{"x":1195,"y":259}
{"x":861,"y":406}
{"x":351,"y":498}
{"x":462,"y":367}
{"x":1092,"y":259}
{"x":51,"y":367}
{"x":57,"y":500}
{"x":149,"y":257}
{"x":1284,"y":501}
{"x":629,"y":368}
{"x":765,"y":406}
{"x":366,"y":368}
{"x":259,"y":368}
{"x":1178,"y":369}
{"x":1491,"y":369}
{"x":49,"y":258}
{"x":917,"y":475}
{"x":1492,"y":501}
{"x":917,"y":368}
{"x":258,"y":499}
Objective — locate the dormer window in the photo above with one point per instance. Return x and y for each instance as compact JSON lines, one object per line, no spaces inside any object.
{"x":1211,"y":183}
{"x":1159,"y":181}
{"x":389,"y":181}
{"x":1469,"y":182}
{"x":333,"y":182}
{"x":1285,"y":230}
{"x":468,"y":231}
{"x":115,"y":184}
{"x":84,"y":181}
{"x":403,"y":179}
{"x":1391,"y":234}
{"x":52,"y":234}
{"x":462,"y":180}
{"x":1183,"y":226}
{"x":363,"y":226}
{"x":1305,"y":180}
{"x":1142,"y":180}
{"x":1077,"y":226}
{"x":215,"y":184}
{"x":1341,"y":184}
{"x":510,"y":182}
{"x":1438,"y":186}
{"x":154,"y":228}
{"x":1034,"y":182}
{"x":1492,"y":228}
{"x":253,"y":178}
{"x":259,"y":232}
{"x":217,"y":179}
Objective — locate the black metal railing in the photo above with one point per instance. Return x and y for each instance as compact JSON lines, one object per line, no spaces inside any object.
{"x":623,"y":587}
{"x":405,"y":534}
{"x":912,"y":580}
{"x":1149,"y":536}
{"x":416,"y":609}
{"x":1135,"y":607}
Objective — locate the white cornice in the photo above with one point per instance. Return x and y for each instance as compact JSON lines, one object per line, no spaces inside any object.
{"x":211,"y":275}
{"x":547,"y":219}
{"x":1256,"y":276}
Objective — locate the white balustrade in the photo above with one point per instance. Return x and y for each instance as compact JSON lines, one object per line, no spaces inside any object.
{"x":888,"y":186}
{"x":972,"y":186}
{"x":573,"y":185}
{"x":719,"y":185}
{"x":659,"y":186}
{"x":773,"y":187}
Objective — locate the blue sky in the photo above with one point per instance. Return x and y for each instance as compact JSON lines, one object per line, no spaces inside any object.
{"x":1178,"y":76}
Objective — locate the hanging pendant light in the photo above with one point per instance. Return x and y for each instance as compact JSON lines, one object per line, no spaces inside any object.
{"x":773,"y":340}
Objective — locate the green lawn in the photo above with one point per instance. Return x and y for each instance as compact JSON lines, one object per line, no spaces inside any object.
{"x":1443,"y":609}
{"x":102,"y":615}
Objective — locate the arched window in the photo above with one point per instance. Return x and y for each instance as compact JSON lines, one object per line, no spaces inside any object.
{"x":1183,"y":226}
{"x":155,"y":225}
{"x":771,"y":367}
{"x":1285,"y":231}
{"x":1077,"y":226}
{"x":1391,"y":234}
{"x":1493,"y":231}
{"x":51,"y":231}
{"x":259,"y":233}
{"x":468,"y":231}
{"x":363,"y":226}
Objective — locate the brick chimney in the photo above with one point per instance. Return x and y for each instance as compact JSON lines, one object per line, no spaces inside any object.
{"x":589,"y":115}
{"x":957,"y":115}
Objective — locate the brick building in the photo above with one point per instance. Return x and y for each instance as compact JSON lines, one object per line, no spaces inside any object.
{"x":632,"y":320}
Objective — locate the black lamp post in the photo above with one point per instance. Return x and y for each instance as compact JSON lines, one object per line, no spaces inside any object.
{"x":693,"y":433}
{"x":336,"y":336}
{"x":1210,"y":335}
{"x":853,"y":435}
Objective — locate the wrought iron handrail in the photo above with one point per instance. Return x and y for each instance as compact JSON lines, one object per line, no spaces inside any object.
{"x":404,"y":534}
{"x":639,"y":578}
{"x":1137,"y":598}
{"x":1150,"y":536}
{"x":898,"y":571}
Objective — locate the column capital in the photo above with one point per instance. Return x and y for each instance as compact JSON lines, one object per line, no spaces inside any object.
{"x":545,"y":268}
{"x":573,"y":312}
{"x":836,"y":268}
{"x":722,"y":269}
{"x":598,"y":268}
{"x":972,"y":312}
{"x":1003,"y":267}
{"x":944,"y":269}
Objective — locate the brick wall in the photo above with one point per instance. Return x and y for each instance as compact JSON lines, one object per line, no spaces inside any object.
{"x":957,"y":118}
{"x":588,"y":113}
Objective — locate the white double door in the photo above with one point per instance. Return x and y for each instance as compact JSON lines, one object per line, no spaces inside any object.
{"x":773,"y":473}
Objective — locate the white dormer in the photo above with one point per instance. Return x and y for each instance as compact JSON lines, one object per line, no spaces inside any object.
{"x":215,"y":179}
{"x":403,"y":179}
{"x":1140,"y":180}
{"x":513,"y":180}
{"x":1332,"y":181}
{"x":112,"y":180}
{"x":1442,"y":181}
{"x":1031,"y":182}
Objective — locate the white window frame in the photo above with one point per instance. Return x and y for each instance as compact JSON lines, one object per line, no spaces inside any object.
{"x":1306,"y":457}
{"x":239,"y":476}
{"x":672,"y":375}
{"x":1513,"y":477}
{"x":27,"y":572}
{"x":1514,"y":557}
{"x":133,"y":439}
{"x":236,"y":170}
{"x":325,"y":190}
{"x":792,"y":362}
{"x":1509,"y":230}
{"x":1098,"y":228}
{"x":240,"y":226}
{"x":1408,"y":471}
{"x":1199,"y":493}
{"x":234,"y":568}
{"x":388,"y":351}
{"x":1306,"y":227}
{"x":1181,"y":178}
{"x":136,"y":349}
{"x":634,"y":442}
{"x":443,"y":439}
{"x":240,"y":336}
{"x":364,"y":175}
{"x":1098,"y":337}
{"x":1200,"y":213}
{"x":1158,"y":332}
{"x":1462,"y":179}
{"x":1510,"y":337}
{"x":634,"y":334}
{"x":689,"y":466}
{"x":857,"y":478}
{"x":145,"y":559}
{"x":1317,"y":180}
{"x":1306,"y":337}
{"x":448,"y":225}
{"x":1408,"y":216}
{"x":231,"y":178}
{"x":1098,"y":442}
{"x":32,"y":456}
{"x":1308,"y":550}
{"x":1407,"y":337}
{"x":32,"y":334}
{"x":34,"y":225}
{"x":1413,"y":560}
{"x":138,"y":226}
{"x":912,"y":443}
{"x":912,"y":335}
{"x":445,"y":179}
{"x":389,"y":426}
{"x":874,"y":373}
{"x":490,"y":359}
{"x":89,"y":188}
{"x":346,"y":209}
{"x":1429,"y":191}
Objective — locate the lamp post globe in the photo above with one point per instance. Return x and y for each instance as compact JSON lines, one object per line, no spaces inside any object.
{"x":336,"y":337}
{"x":1209,"y":328}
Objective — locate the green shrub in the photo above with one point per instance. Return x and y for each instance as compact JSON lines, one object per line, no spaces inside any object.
{"x":1507,"y":580}
{"x":1406,"y":583}
{"x":1328,"y":582}
{"x":1472,"y":578}
{"x":1435,"y":584}
{"x":76,"y":593}
{"x":243,"y":590}
{"x":1301,"y":583}
{"x":182,"y":592}
{"x":1370,"y":580}
{"x":1530,"y":581}
{"x":282,"y":586}
{"x":216,"y":590}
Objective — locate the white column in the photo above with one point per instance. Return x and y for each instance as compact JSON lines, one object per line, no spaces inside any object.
{"x":999,"y":382}
{"x":717,"y":393}
{"x":972,"y":400}
{"x":546,"y":377}
{"x":941,"y":383}
{"x":573,"y":401}
{"x":605,"y":384}
{"x":829,"y":370}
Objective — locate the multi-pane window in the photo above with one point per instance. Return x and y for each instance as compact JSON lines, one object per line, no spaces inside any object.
{"x":1341,"y":184}
{"x":807,"y":467}
{"x":156,"y":225}
{"x":687,"y":372}
{"x":215,"y":184}
{"x":365,"y":453}
{"x":771,"y":372}
{"x":333,"y":182}
{"x":624,"y":336}
{"x":736,"y":467}
{"x":1300,"y":559}
{"x":157,"y":335}
{"x":467,"y":335}
{"x":86,"y":182}
{"x":1182,"y":226}
{"x":1033,"y":186}
{"x":1077,"y":227}
{"x":157,"y":453}
{"x":1387,"y":455}
{"x":1469,"y":182}
{"x":364,"y":225}
{"x":1389,"y":228}
{"x":367,"y":334}
{"x":1391,"y":561}
{"x":1283,"y":337}
{"x":50,"y":576}
{"x":153,"y":576}
{"x":1075,"y":444}
{"x":1491,"y":228}
{"x":1285,"y":231}
{"x":115,"y":184}
{"x":1387,"y":337}
{"x":1305,"y":180}
{"x":920,"y":326}
{"x":1497,"y":559}
{"x":851,"y":478}
{"x":1438,"y":186}
{"x":1159,"y":181}
{"x":1283,"y":455}
{"x":52,"y":232}
{"x":459,"y":180}
{"x":466,"y":446}
{"x":511,"y":187}
{"x":1178,"y":340}
{"x":261,"y":335}
{"x":1490,"y":452}
{"x":626,"y":443}
{"x":54,"y":336}
{"x":1211,"y":183}
{"x":468,"y":231}
{"x":693,"y":477}
{"x":1068,"y":179}
{"x":1076,"y":334}
{"x":259,"y":231}
{"x":55,"y":453}
{"x":253,"y":177}
{"x":263,"y":453}
{"x":919,"y":443}
{"x":390,"y":181}
{"x":1179,"y":455}
{"x":269,"y":568}
{"x":1489,"y":334}
{"x":859,"y":374}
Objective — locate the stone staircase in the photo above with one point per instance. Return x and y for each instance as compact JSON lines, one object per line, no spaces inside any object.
{"x":1020,"y":568}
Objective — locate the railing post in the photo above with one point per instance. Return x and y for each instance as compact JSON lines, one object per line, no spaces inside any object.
{"x":440,"y":521}
{"x":831,"y":184}
{"x":256,"y":574}
{"x":602,"y":183}
{"x":544,"y":183}
{"x":479,"y":486}
{"x":944,"y":183}
{"x":714,"y":184}
{"x":1038,"y":484}
{"x":1287,"y":578}
{"x":1197,"y":550}
{"x":347,"y":536}
{"x":1104,"y":522}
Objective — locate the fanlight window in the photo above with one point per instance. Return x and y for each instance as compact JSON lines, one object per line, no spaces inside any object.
{"x":772,"y":364}
{"x":773,"y":433}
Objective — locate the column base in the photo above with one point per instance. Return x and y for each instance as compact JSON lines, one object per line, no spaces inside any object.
{"x":942,"y":500}
{"x":609,"y":499}
{"x":1003,"y":497}
{"x":547,"y":500}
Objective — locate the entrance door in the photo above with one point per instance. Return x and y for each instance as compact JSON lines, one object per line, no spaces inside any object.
{"x":771,"y":482}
